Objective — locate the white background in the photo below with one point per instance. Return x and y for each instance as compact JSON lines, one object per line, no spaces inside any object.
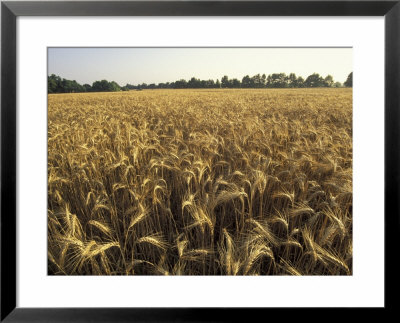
{"x":364,"y":288}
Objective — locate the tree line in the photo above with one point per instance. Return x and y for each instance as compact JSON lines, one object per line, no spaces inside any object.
{"x":56,"y":84}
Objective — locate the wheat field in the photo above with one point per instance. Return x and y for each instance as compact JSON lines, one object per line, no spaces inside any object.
{"x":200,"y":182}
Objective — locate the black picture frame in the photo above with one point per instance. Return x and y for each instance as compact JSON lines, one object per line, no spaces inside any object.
{"x":10,"y":10}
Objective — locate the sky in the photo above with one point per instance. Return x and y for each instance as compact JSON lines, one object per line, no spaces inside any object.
{"x":157,"y":65}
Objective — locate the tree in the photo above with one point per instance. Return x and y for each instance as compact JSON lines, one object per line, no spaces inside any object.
{"x":114,"y":87}
{"x":225,"y":82}
{"x":100,"y":86}
{"x":235,"y":83}
{"x":209,"y":84}
{"x":314,"y":80}
{"x":264,"y":80}
{"x":53,"y":83}
{"x":130,"y":86}
{"x":277,"y":80}
{"x":299,"y":82}
{"x":328,"y":81}
{"x":246,"y":82}
{"x":194,"y":83}
{"x":68,"y":86}
{"x":57,"y":84}
{"x":292,"y":80}
{"x":142,"y":86}
{"x":257,"y":81}
{"x":87,"y":87}
{"x":105,"y":86}
{"x":181,"y":84}
{"x":349,"y":81}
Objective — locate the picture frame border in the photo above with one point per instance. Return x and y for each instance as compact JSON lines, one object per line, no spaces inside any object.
{"x":11,"y":10}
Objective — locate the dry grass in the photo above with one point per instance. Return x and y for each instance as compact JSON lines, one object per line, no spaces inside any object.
{"x":200,"y":182}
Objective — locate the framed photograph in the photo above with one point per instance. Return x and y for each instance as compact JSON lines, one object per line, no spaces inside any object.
{"x":197,"y":160}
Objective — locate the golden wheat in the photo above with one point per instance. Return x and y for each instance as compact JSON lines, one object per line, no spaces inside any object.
{"x":200,"y":182}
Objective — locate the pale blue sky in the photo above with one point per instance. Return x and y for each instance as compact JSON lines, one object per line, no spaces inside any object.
{"x":155,"y":65}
